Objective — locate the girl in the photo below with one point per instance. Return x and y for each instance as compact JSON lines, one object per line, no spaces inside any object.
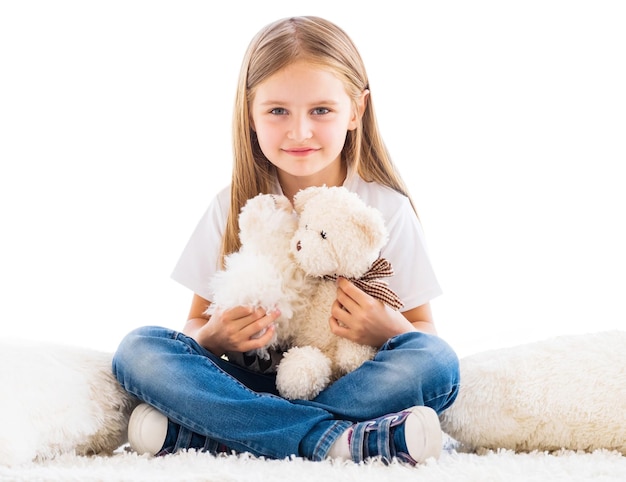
{"x":303,"y":116}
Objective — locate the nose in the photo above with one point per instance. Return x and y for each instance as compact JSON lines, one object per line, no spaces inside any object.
{"x":300,"y":128}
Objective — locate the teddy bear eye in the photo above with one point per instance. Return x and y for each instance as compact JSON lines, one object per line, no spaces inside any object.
{"x":323,"y":234}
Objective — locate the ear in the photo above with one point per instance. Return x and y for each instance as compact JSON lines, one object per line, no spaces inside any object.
{"x":371,"y":223}
{"x":361,"y":104}
{"x":303,"y":196}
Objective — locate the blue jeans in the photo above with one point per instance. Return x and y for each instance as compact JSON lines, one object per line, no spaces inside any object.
{"x":211,"y":402}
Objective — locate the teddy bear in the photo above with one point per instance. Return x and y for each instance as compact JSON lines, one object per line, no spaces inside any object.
{"x":337,"y":235}
{"x":262,"y":273}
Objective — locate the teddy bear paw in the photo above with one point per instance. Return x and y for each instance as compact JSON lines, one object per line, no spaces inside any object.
{"x":303,"y":373}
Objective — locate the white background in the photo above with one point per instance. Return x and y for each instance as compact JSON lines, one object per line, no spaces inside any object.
{"x":507,"y":119}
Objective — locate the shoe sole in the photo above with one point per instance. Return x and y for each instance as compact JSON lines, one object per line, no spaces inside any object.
{"x":422,"y":432}
{"x":147,"y":429}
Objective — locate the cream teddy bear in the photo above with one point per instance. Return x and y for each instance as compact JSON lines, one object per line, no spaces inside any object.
{"x":263,"y":272}
{"x":337,"y":235}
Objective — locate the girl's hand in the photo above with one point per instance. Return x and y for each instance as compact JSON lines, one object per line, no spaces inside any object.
{"x":237,"y":329}
{"x":359,"y":317}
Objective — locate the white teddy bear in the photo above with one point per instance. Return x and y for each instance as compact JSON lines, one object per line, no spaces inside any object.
{"x":263,"y":272}
{"x":337,"y":235}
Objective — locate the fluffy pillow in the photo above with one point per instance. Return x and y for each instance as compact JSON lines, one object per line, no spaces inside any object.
{"x":57,"y":399}
{"x":567,"y":392}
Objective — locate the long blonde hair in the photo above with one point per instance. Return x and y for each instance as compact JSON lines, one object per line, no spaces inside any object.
{"x":276,"y":46}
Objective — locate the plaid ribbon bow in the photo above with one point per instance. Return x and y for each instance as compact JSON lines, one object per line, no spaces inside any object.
{"x":371,"y":283}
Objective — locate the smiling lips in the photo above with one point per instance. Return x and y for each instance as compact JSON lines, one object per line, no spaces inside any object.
{"x":301,"y":151}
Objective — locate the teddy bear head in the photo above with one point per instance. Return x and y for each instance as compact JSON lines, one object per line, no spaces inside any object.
{"x":338,"y":234}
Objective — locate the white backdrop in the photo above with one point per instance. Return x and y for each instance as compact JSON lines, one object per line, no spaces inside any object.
{"x":506,"y":118}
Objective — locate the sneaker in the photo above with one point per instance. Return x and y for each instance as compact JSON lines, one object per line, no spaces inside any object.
{"x":147,"y":429}
{"x":411,"y":436}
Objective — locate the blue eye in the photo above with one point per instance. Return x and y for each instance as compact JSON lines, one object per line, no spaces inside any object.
{"x":278,"y":111}
{"x":320,"y":111}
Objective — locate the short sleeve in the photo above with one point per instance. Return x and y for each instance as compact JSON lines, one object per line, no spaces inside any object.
{"x":414,"y":279}
{"x":200,"y":258}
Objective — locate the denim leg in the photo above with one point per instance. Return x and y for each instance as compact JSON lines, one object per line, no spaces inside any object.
{"x":199,"y":391}
{"x":242,"y":411}
{"x":410,"y":369}
{"x":414,"y":368}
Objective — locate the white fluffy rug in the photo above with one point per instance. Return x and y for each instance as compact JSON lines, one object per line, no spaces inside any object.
{"x":506,"y":466}
{"x":64,"y":403}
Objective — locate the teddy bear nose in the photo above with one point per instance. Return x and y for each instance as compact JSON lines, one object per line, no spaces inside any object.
{"x":298,"y":246}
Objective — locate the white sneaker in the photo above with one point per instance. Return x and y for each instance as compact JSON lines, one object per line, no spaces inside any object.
{"x":412,"y":435}
{"x":147,"y":429}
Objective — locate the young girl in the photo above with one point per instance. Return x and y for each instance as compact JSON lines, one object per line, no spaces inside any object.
{"x":303,"y":116}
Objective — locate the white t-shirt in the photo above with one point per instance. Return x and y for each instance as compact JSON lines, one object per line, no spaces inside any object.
{"x":414,"y":280}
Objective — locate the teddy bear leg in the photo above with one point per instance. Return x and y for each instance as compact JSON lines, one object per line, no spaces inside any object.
{"x":303,"y":373}
{"x":350,"y":355}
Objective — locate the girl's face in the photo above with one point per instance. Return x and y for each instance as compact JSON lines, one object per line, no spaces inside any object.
{"x":301,"y":116}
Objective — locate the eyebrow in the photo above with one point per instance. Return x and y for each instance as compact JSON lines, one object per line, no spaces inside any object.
{"x":282,"y":102}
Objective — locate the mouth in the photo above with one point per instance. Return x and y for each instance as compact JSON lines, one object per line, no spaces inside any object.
{"x":301,"y":151}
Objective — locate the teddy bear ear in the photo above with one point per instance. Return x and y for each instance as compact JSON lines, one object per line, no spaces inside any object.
{"x":305,"y":195}
{"x":282,"y":202}
{"x":371,"y":223}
